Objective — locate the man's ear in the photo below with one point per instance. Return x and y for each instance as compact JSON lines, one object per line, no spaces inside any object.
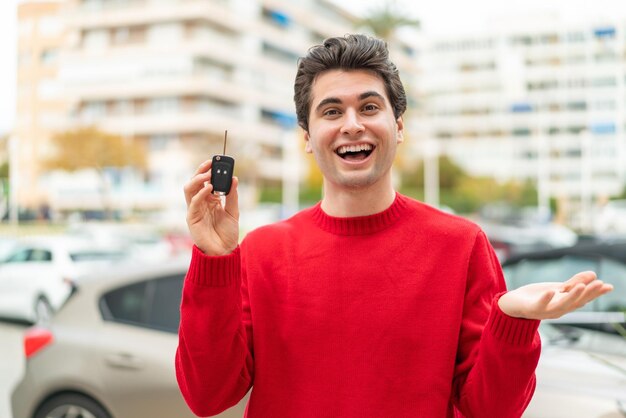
{"x":400,"y":130}
{"x":307,"y":145}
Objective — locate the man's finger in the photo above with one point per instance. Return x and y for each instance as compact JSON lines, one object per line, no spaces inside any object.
{"x":585,"y":277}
{"x":592,"y":291}
{"x":204,"y":167}
{"x":204,"y":195}
{"x":196,"y":184}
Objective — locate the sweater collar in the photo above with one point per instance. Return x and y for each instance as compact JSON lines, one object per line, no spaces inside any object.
{"x":361,"y":225}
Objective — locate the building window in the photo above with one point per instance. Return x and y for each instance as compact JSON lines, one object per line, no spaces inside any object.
{"x":282,"y":119}
{"x":554,"y":130}
{"x":49,"y":56}
{"x":276,"y":17}
{"x":163,"y":105}
{"x":279,"y":53}
{"x":604,"y":105}
{"x":604,"y":82}
{"x":607,"y":32}
{"x":605,"y":56}
{"x":575,"y":37}
{"x":576,"y":129}
{"x":578,"y":106}
{"x":521,"y":132}
{"x":270,"y":151}
{"x":160,"y":142}
{"x":213,"y":106}
{"x":603,"y":128}
{"x":95,"y":39}
{"x":123,"y":107}
{"x":94,"y":110}
{"x":121,"y":36}
{"x":214,"y":69}
{"x":92,"y":5}
{"x":521,"y":108}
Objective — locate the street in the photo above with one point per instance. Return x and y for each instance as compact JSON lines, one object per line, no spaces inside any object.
{"x":12,"y":364}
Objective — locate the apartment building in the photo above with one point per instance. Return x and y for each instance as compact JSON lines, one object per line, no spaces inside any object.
{"x":540,"y":100}
{"x":40,"y":105}
{"x":176,"y":74}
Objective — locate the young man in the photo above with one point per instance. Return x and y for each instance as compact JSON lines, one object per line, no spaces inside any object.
{"x":369,"y":304}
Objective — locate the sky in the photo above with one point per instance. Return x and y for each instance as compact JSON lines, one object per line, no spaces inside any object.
{"x":438,"y":17}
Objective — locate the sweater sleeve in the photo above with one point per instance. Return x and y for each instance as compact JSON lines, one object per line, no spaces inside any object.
{"x":214,"y":359}
{"x":497,"y":354}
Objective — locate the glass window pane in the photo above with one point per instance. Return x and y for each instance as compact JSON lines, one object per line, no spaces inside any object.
{"x":127,"y":304}
{"x":19,"y":256}
{"x":39,"y":255}
{"x":614,"y":273}
{"x":165,"y":307}
{"x":554,"y":270}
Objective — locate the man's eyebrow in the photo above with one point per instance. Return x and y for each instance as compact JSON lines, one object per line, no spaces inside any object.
{"x":371,"y":93}
{"x":328,"y":100}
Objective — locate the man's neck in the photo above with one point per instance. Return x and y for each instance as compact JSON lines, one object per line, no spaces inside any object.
{"x":342,"y":202}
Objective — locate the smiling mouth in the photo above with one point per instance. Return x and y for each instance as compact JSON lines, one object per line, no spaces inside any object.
{"x":355,"y":152}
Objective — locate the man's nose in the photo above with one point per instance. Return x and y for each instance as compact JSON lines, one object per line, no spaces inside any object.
{"x":351,"y":123}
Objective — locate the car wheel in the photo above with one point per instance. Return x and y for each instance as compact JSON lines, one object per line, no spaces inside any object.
{"x":42,"y":311}
{"x":71,"y":406}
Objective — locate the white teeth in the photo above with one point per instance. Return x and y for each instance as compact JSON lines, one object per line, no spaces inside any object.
{"x":354,"y":148}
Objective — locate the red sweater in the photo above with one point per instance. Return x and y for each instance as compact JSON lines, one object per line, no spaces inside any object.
{"x":390,"y":315}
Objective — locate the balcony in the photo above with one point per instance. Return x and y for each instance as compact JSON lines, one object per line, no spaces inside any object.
{"x":143,"y":12}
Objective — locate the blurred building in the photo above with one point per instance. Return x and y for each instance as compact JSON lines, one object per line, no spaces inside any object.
{"x":41,"y":106}
{"x":537,"y":99}
{"x":175,"y":74}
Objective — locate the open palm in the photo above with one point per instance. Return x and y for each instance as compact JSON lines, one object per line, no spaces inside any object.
{"x":552,"y":300}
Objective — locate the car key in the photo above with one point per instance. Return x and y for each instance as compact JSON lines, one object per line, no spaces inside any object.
{"x":222,"y":171}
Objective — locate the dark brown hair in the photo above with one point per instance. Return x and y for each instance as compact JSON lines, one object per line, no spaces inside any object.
{"x":350,"y":52}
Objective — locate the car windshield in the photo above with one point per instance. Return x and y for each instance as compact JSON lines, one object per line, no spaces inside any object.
{"x":84,"y":256}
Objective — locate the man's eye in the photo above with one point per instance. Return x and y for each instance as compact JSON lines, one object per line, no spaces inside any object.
{"x":331,"y":112}
{"x":370,"y":108}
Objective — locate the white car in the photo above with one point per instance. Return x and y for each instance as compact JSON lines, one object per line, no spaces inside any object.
{"x":37,"y":276}
{"x":142,"y":242}
{"x":612,"y":218}
{"x":581,"y":374}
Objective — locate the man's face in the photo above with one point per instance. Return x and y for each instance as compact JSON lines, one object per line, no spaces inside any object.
{"x":353,"y":133}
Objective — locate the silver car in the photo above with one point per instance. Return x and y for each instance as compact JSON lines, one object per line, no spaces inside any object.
{"x":109,"y":352}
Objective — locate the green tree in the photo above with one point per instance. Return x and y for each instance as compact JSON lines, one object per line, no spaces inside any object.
{"x":4,"y":170}
{"x":89,"y":147}
{"x":450,"y":174}
{"x":386,"y":19}
{"x":465,"y":193}
{"x":4,"y":165}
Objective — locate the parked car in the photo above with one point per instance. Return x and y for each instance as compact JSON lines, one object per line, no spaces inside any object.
{"x":109,"y":352}
{"x":608,"y":260}
{"x":37,"y":275}
{"x":143,"y":242}
{"x":509,"y":240}
{"x":612,"y":217}
{"x":7,"y":244}
{"x":581,"y":374}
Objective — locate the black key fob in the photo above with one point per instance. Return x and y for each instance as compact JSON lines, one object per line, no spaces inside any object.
{"x":222,"y":174}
